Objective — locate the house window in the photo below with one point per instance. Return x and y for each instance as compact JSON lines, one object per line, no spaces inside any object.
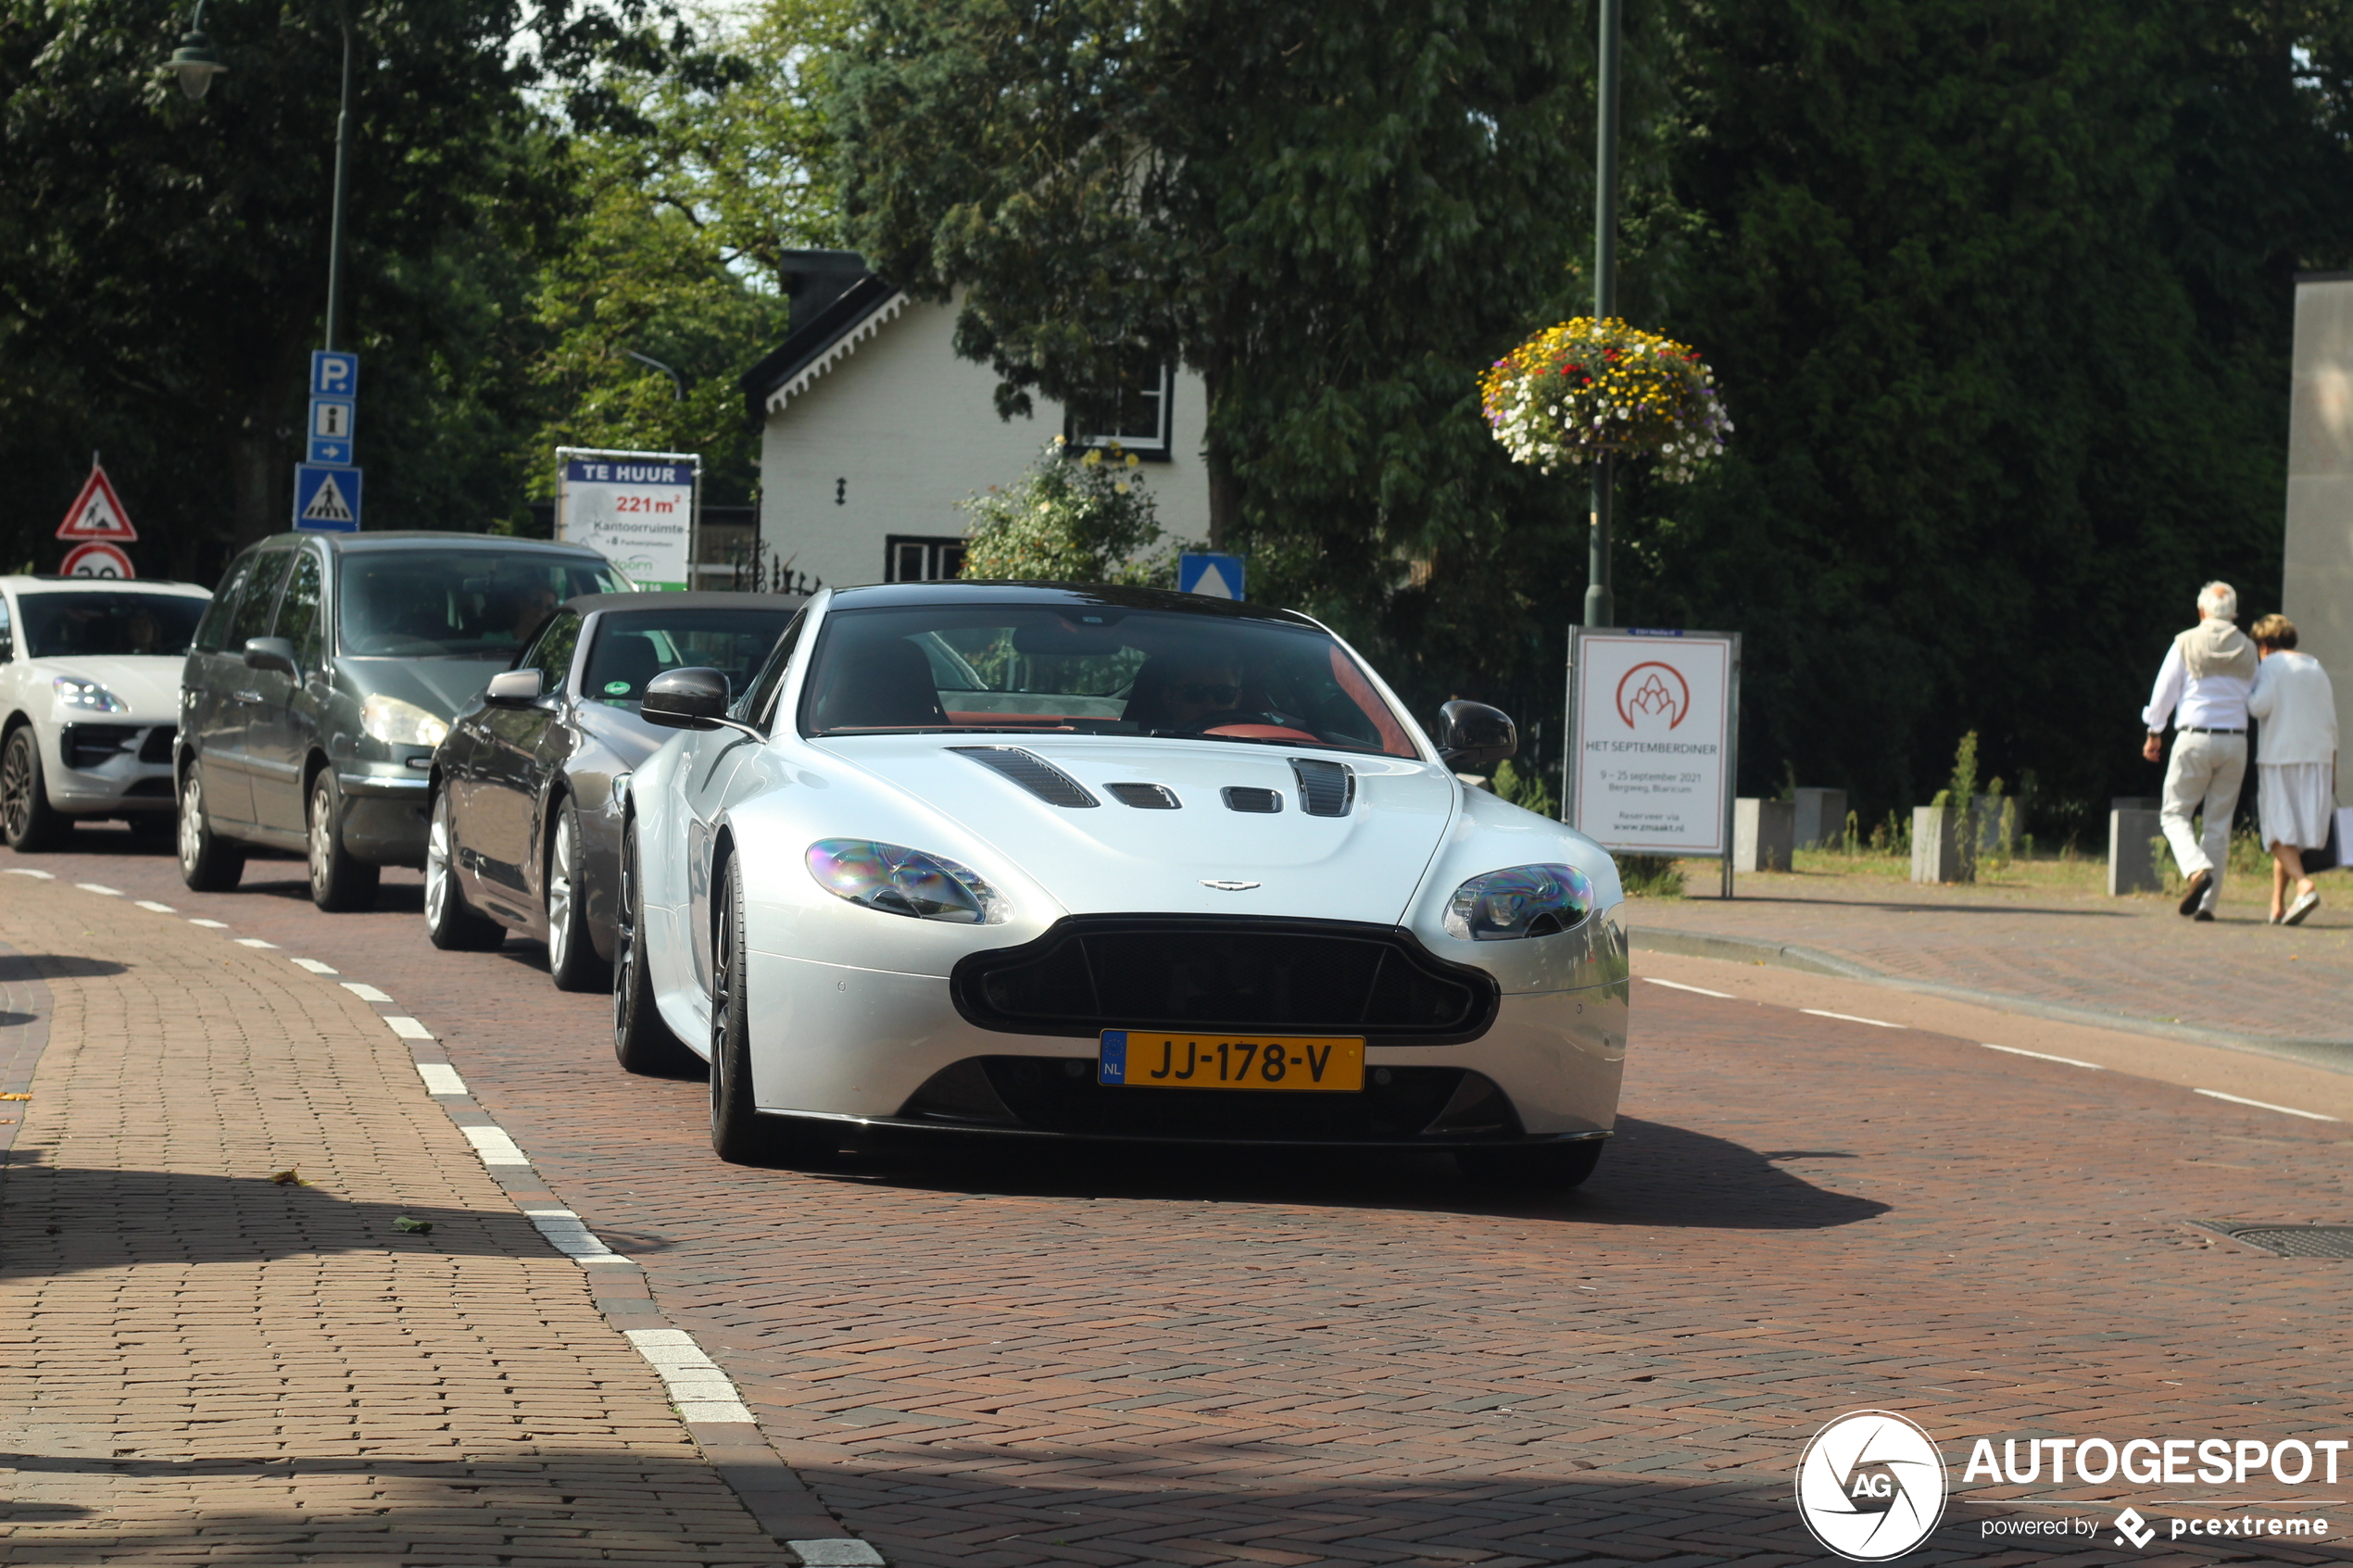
{"x":908,"y":558}
{"x":1134,"y":415}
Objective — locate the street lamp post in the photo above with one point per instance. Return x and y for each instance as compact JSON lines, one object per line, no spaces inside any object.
{"x":1600,"y":609}
{"x":195,"y":66}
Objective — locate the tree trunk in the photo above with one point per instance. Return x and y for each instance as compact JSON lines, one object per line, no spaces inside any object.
{"x":1225,"y":487}
{"x":258,"y":503}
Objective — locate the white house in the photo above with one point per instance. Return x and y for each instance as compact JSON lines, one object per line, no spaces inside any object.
{"x":872,"y":430}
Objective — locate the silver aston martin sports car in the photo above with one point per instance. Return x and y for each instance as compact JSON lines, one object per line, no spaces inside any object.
{"x":1047,"y":862}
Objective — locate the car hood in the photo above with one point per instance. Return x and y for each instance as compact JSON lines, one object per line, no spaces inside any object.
{"x":1119,"y":859}
{"x":440,"y":686}
{"x":149,"y":685}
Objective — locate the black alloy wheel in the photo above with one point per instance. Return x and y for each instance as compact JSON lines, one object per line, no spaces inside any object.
{"x":339,"y":880}
{"x":739,"y":1135}
{"x":572,"y":962}
{"x":27,"y":819}
{"x":642,"y":1043}
{"x":451,"y":924}
{"x":209,"y":863}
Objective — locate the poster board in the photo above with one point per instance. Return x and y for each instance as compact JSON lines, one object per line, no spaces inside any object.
{"x":640,"y":510}
{"x":1653,"y":719}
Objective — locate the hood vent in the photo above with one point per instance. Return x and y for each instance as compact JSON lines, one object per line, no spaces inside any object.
{"x":1031,"y":771}
{"x":1240,"y":797}
{"x":1146,"y":797}
{"x":1325,"y":789}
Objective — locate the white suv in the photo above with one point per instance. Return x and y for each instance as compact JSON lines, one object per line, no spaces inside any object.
{"x":89,"y":701}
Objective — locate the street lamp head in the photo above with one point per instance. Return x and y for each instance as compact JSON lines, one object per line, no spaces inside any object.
{"x":194,"y":64}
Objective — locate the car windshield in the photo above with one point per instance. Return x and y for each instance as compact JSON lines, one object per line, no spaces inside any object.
{"x":1092,"y":670}
{"x":109,"y":624}
{"x":464,"y":604}
{"x":634,"y":646}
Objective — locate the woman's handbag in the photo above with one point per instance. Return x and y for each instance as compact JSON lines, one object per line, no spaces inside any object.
{"x":2330,"y":856}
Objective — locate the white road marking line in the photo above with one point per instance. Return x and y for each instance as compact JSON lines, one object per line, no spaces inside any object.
{"x":159,"y":908}
{"x":696,"y":1387}
{"x":314,"y":966}
{"x":837,"y":1552}
{"x":1850,"y":1017}
{"x":254,"y":942}
{"x":212,"y":924}
{"x":494,"y":1146}
{"x":366,"y":993}
{"x":570,"y":1235}
{"x":99,"y":887}
{"x":440,"y":1078}
{"x":1695,"y":990}
{"x":27,"y":871}
{"x":2266,"y":1105}
{"x":407,"y":1028}
{"x":2042,"y":1056}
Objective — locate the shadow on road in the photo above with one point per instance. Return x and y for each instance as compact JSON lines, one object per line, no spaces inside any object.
{"x":122,"y":1219}
{"x":19,"y":968}
{"x":1651,"y":1174}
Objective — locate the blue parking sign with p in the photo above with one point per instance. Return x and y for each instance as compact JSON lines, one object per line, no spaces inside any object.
{"x":334,"y":374}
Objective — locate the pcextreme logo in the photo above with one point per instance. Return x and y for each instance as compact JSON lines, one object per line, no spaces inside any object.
{"x":1870,"y":1485}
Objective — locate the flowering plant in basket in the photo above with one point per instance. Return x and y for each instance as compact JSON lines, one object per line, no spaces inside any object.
{"x":1587,"y":387}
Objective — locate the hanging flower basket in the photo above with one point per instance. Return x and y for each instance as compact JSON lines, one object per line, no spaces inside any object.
{"x":1587,"y":387}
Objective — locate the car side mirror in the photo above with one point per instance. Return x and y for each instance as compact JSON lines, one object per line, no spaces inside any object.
{"x":272,"y":653}
{"x":685,"y":700}
{"x":1474,"y":733}
{"x":512,"y":688}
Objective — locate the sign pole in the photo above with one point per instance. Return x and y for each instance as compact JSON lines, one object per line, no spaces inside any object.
{"x":1599,"y":608}
{"x":1731,"y":762}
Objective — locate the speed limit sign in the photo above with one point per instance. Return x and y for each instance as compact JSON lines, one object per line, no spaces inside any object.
{"x":97,"y":558}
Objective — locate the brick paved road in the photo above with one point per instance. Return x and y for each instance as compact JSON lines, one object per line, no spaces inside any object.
{"x":1090,"y":1360}
{"x":2135,"y":958}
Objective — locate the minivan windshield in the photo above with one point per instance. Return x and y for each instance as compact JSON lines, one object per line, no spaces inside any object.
{"x":109,"y":624}
{"x":465,"y":603}
{"x":1092,"y":670}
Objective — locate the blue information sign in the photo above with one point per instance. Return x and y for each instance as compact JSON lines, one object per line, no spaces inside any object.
{"x":334,"y":374}
{"x":326,"y":499}
{"x":1214,"y":574}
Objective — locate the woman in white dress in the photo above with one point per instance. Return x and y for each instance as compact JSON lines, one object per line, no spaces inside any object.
{"x":2294,"y":761}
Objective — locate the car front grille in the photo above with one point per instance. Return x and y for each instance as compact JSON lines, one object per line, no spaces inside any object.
{"x":89,"y":745}
{"x":1092,"y":972}
{"x":158,"y":746}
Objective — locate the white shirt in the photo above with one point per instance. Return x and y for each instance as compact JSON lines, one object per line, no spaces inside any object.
{"x":2293,"y":698}
{"x":2212,"y":702}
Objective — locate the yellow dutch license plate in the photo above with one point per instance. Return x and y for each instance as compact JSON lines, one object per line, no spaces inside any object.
{"x":1140,"y":1058}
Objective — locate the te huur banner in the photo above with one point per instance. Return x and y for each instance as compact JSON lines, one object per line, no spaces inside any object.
{"x":1652,"y":720}
{"x":636,"y":508}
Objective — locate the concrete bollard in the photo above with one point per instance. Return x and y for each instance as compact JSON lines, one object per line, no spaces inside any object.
{"x":1936,"y":846}
{"x":1822,"y":818}
{"x":2133,"y":863}
{"x":1764,"y":831}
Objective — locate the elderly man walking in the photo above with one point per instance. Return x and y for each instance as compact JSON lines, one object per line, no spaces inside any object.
{"x":2206,"y":677}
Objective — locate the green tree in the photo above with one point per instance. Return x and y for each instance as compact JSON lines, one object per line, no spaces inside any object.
{"x":1070,"y":518}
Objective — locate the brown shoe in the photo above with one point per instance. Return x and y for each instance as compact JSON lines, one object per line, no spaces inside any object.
{"x":2194,"y":891}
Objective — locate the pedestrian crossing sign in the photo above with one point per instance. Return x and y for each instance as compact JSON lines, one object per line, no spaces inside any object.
{"x":326,"y":499}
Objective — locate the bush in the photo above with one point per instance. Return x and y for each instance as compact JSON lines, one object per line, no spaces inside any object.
{"x":1650,"y":876}
{"x":1069,"y":519}
{"x":1527,"y":790}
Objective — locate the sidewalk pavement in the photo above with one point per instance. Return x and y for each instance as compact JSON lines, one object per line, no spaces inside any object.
{"x":2125,"y":962}
{"x":212,"y":1361}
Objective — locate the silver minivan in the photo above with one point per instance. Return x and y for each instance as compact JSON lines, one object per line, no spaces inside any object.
{"x":323,"y":675}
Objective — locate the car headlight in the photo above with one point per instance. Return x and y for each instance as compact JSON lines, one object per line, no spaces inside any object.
{"x":396,"y":722}
{"x":88,"y":696}
{"x":1522,"y":901}
{"x":905,"y":882}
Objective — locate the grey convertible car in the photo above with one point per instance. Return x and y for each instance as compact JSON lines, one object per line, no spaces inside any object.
{"x":323,"y":675}
{"x":525,"y":820}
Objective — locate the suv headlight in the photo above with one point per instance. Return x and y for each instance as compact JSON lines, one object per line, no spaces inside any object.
{"x":88,"y":696}
{"x":905,"y":882}
{"x":396,"y":722}
{"x":1522,"y":901}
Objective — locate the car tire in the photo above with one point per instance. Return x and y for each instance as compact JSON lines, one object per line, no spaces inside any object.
{"x":739,"y":1135}
{"x":340,"y":880}
{"x":454,"y":925}
{"x":572,"y":962}
{"x":27,"y":819}
{"x":641,"y":1041}
{"x":1550,"y":1168}
{"x":209,"y":863}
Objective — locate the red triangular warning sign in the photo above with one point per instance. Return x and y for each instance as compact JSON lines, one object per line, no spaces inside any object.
{"x":98,"y":512}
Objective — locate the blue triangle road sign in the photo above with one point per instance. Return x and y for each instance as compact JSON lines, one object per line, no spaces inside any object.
{"x":1210,"y":573}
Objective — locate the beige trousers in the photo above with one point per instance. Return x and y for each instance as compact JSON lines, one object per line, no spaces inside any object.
{"x":2204,"y":775}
